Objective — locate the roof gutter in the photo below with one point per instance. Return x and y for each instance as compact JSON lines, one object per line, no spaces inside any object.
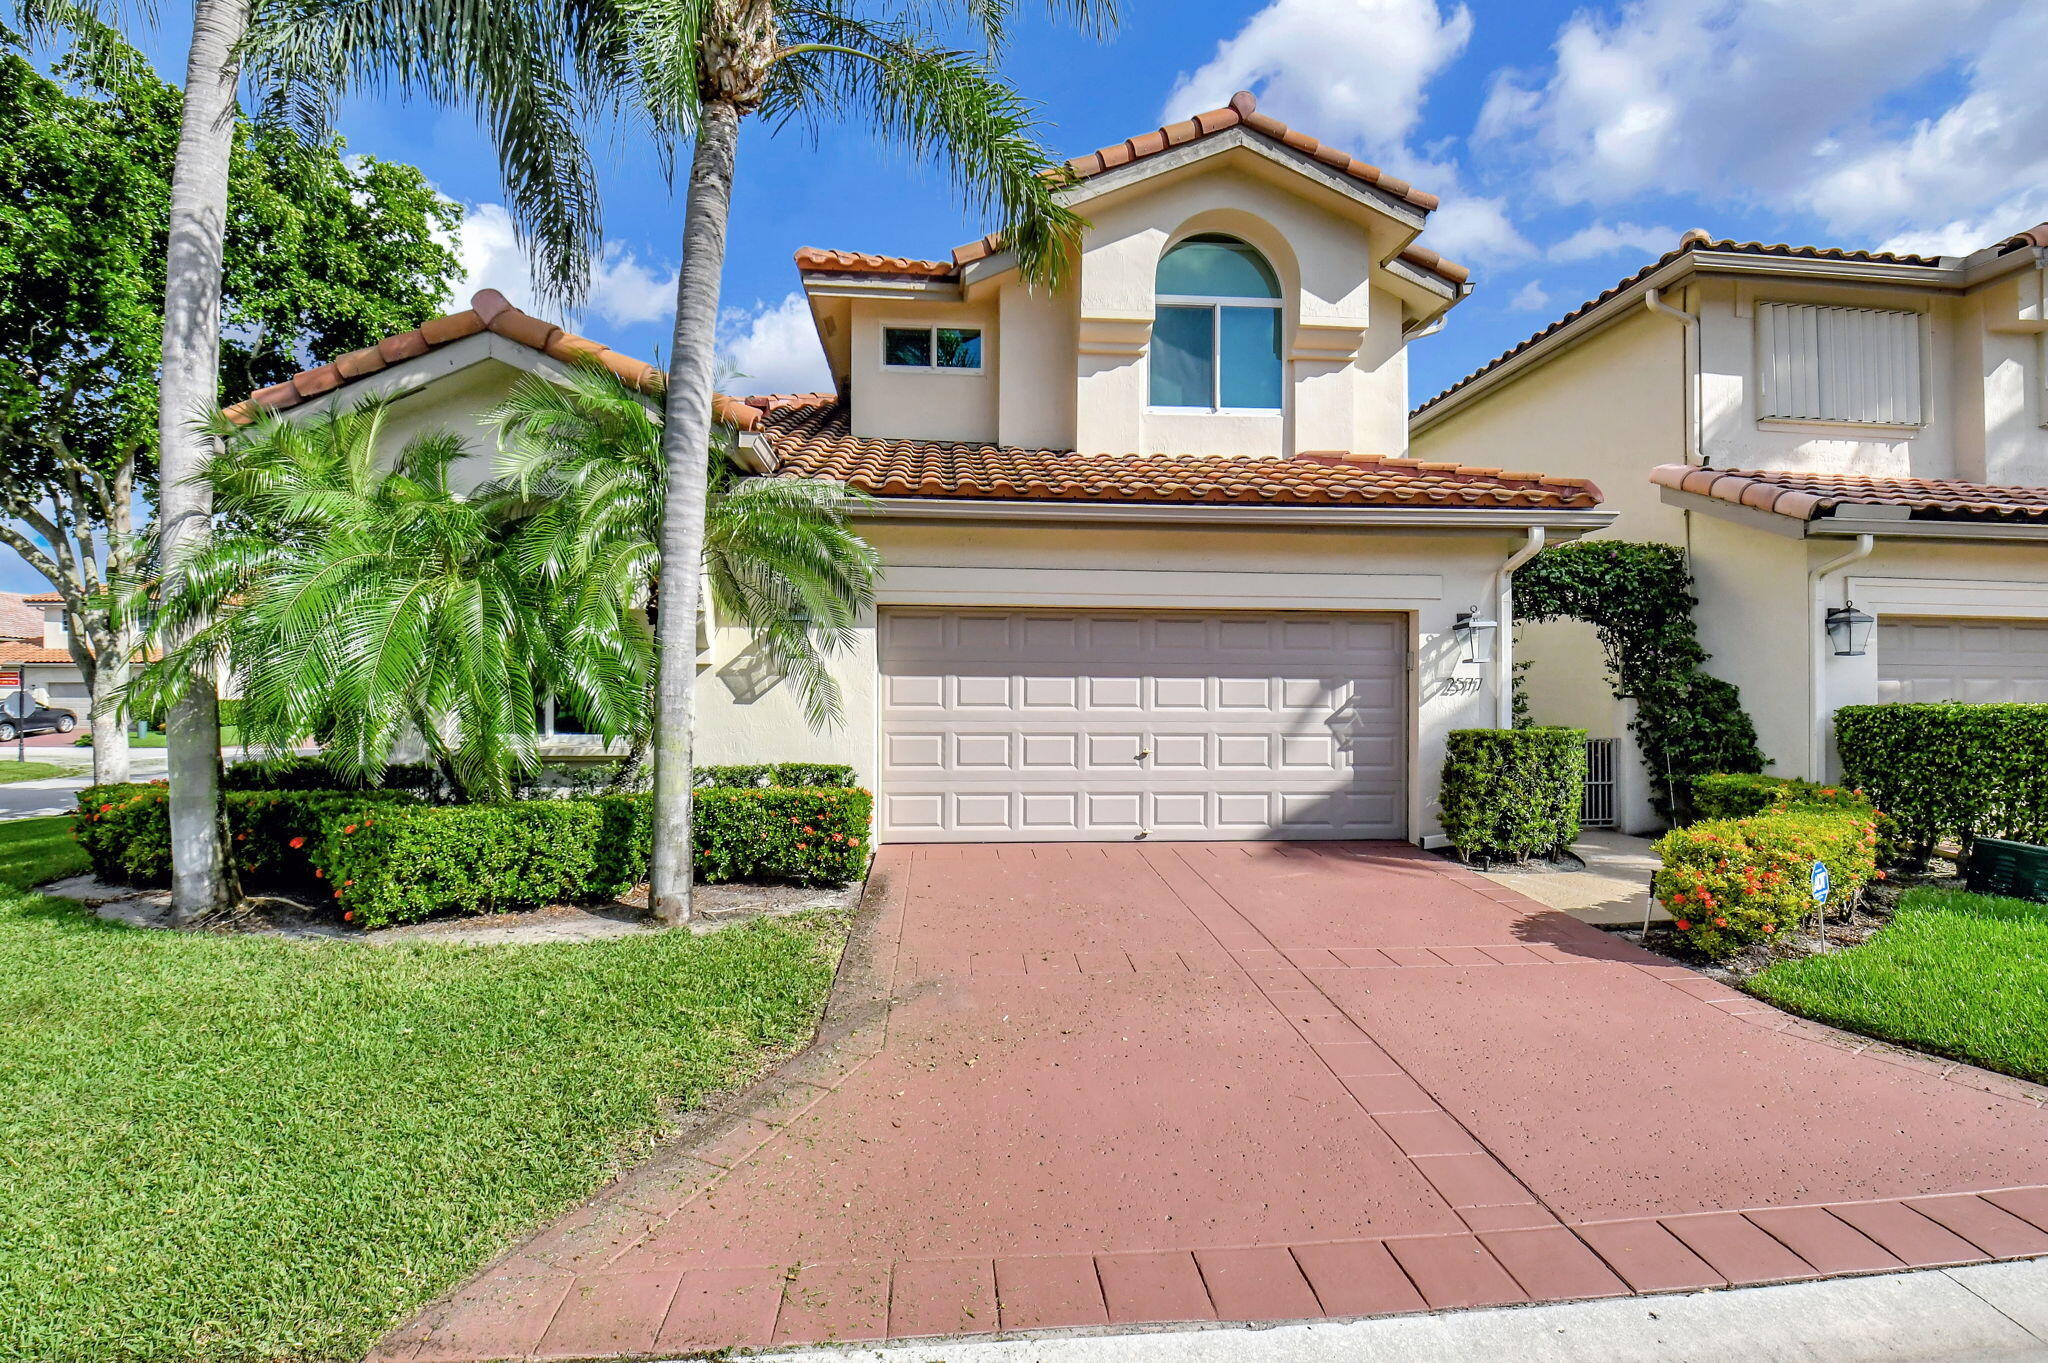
{"x":1504,"y":611}
{"x":1817,"y":654}
{"x":1490,"y":519}
{"x":1653,"y":299}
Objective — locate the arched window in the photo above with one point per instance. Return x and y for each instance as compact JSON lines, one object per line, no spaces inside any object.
{"x":1216,"y":334}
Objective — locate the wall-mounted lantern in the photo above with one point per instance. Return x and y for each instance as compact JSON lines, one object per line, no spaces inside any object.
{"x":1477,"y":634}
{"x":1849,"y":630}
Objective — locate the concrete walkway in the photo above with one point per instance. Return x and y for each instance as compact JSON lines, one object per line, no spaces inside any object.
{"x":1613,"y":887}
{"x":1094,"y":1086}
{"x":1987,"y":1311}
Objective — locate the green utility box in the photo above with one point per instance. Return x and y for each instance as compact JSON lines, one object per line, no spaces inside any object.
{"x":2018,"y":870}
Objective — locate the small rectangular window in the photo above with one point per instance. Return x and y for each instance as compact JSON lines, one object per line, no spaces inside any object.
{"x":907,"y":347}
{"x":1183,"y":358}
{"x":956,"y":348}
{"x":1855,"y":365}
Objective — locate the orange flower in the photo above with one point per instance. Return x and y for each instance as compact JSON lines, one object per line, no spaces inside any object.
{"x":1770,"y":927}
{"x":346,"y":883}
{"x":1720,"y":922}
{"x":348,"y":915}
{"x":298,"y":842}
{"x":319,"y":874}
{"x":346,"y":831}
{"x":1683,"y":925}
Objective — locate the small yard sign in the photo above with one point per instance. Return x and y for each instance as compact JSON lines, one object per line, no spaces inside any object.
{"x":1821,"y":882}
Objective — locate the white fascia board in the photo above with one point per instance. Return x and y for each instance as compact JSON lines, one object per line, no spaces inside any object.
{"x":1233,"y":139}
{"x":820,"y":285}
{"x":1938,"y":278}
{"x":1884,"y":522}
{"x":1490,"y":519}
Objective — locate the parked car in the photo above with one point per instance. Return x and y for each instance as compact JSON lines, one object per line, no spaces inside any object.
{"x":20,"y":716}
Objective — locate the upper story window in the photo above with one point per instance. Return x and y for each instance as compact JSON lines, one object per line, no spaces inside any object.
{"x":1850,"y":365}
{"x":1216,"y":333}
{"x":953,"y":348}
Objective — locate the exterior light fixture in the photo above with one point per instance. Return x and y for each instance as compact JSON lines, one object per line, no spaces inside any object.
{"x":1477,"y":633}
{"x":1849,"y":630}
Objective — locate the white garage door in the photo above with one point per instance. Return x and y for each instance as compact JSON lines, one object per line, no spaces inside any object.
{"x":1021,"y":725}
{"x":1967,"y":660}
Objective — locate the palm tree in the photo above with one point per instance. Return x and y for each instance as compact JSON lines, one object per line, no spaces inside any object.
{"x":360,"y":598}
{"x":695,"y":68}
{"x":779,"y":557}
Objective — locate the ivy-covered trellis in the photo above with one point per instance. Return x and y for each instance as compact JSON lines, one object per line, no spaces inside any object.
{"x":1639,"y":598}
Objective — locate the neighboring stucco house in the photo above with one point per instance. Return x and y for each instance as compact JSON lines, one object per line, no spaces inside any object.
{"x":1156,"y":563}
{"x":44,"y":658}
{"x":1816,"y":427}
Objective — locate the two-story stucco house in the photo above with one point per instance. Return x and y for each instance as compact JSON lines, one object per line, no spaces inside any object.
{"x":43,"y":658}
{"x":1157,"y":565}
{"x":1819,"y":429}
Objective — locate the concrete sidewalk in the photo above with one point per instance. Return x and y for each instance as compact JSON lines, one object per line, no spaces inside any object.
{"x":1613,"y":888}
{"x":1989,"y":1311}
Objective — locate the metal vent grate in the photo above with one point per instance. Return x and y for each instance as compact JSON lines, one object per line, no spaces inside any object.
{"x":1596,"y":805}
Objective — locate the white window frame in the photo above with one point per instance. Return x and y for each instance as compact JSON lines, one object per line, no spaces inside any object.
{"x":932,"y":329}
{"x":1216,"y":304}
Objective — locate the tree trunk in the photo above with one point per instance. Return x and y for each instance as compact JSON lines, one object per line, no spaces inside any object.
{"x":111,"y":653}
{"x":685,"y":437}
{"x":189,"y":390}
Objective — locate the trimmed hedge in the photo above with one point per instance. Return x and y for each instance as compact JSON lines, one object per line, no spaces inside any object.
{"x":125,"y":830}
{"x":1951,"y":770}
{"x":419,"y":861}
{"x":1513,"y":793}
{"x":1729,"y":883}
{"x":760,"y":775}
{"x":311,"y":773}
{"x":1737,"y":795}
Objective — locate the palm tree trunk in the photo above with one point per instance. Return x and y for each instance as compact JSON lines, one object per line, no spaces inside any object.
{"x":189,"y":390}
{"x":685,"y":436}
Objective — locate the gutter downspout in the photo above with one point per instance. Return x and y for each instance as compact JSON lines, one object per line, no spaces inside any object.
{"x":1653,"y":299}
{"x":1504,"y":611}
{"x":1816,"y":644}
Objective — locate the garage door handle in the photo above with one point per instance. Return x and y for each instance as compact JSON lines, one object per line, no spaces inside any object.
{"x":1143,"y":753}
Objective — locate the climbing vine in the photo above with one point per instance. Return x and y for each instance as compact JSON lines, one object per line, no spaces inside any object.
{"x":1639,"y":598}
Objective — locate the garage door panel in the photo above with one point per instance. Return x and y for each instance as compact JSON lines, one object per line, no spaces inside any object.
{"x":1112,"y":725}
{"x":1972,"y":660}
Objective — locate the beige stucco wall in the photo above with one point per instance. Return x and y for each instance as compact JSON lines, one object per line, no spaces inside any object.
{"x":1426,"y":577}
{"x":924,"y":404}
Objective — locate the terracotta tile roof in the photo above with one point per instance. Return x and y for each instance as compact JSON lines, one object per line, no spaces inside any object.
{"x":34,"y":652}
{"x":488,"y":311}
{"x":2037,"y":235}
{"x":1692,"y":241}
{"x":811,"y":439}
{"x":1810,"y":496}
{"x":19,"y":619}
{"x":1242,"y":111}
{"x":43,"y":599}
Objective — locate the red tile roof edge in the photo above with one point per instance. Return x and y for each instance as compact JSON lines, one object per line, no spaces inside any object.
{"x":810,"y":436}
{"x":43,"y":599}
{"x":489,"y":311}
{"x":1693,"y":241}
{"x":1808,"y":496}
{"x":2037,"y":235}
{"x":34,"y":653}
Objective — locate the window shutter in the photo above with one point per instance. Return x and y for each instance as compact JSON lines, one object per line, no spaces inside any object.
{"x":1839,"y":364}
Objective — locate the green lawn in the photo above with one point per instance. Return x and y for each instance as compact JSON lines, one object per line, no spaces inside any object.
{"x":1961,"y":975}
{"x":11,"y":770}
{"x":35,"y":850}
{"x":240,"y":1148}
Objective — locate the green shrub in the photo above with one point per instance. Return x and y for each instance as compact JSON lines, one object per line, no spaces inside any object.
{"x":411,"y":863}
{"x":813,"y":835}
{"x":311,"y":773}
{"x":737,"y":776}
{"x":1739,"y":795}
{"x":1513,"y":793}
{"x":1728,"y":883}
{"x":125,"y":830}
{"x":1950,"y":770}
{"x":485,"y":858}
{"x":813,"y":774}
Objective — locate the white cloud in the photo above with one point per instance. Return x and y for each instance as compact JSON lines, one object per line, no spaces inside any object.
{"x":1598,"y":239}
{"x":1351,"y":71}
{"x":1471,"y":228}
{"x":624,"y":290}
{"x":1793,"y":106}
{"x":1531,"y":298}
{"x":772,"y":348}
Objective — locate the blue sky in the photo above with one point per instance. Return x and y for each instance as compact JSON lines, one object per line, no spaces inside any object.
{"x":1569,"y":142}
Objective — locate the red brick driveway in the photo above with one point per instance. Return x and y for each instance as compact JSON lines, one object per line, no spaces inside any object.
{"x":1118,"y":1084}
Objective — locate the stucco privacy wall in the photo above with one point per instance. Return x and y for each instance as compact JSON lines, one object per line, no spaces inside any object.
{"x":1347,"y":376}
{"x":1427,"y":577}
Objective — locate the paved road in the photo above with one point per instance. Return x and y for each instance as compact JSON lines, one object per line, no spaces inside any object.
{"x":1112,"y":1085}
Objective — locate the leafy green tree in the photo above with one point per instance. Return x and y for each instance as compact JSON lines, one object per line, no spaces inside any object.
{"x":780,"y":558}
{"x":693,"y":69}
{"x":359,"y":597}
{"x":323,"y":253}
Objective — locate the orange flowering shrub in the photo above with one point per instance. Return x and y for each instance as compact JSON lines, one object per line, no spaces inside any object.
{"x":1728,"y":883}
